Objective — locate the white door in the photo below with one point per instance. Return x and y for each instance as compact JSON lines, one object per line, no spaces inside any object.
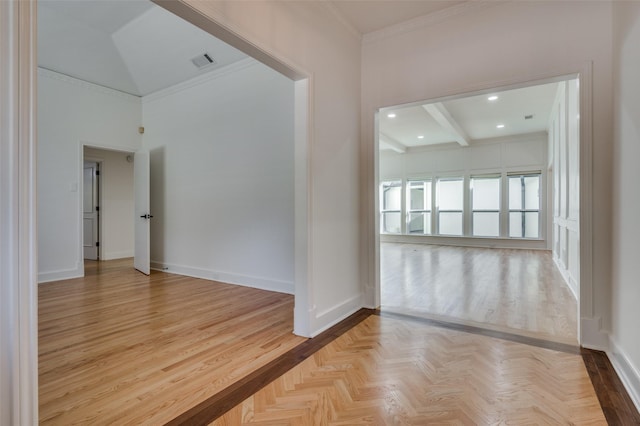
{"x":141,"y":257}
{"x":90,"y":210}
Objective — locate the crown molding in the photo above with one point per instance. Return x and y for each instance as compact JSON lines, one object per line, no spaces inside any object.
{"x":54,"y":75}
{"x":428,"y":20}
{"x":342,"y":19}
{"x":201,"y":79}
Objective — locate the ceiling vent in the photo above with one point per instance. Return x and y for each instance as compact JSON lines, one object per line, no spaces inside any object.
{"x":203,"y":60}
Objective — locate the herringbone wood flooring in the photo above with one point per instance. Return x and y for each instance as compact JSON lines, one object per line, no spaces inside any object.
{"x":390,"y":371}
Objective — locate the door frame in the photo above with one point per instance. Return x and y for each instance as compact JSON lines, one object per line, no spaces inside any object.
{"x":99,"y":162}
{"x":589,"y":327}
{"x":81,"y":159}
{"x":305,"y":322}
{"x":18,"y":46}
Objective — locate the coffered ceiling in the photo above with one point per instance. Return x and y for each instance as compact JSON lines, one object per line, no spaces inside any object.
{"x":467,"y":119}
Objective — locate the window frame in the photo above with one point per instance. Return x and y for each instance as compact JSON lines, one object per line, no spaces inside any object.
{"x":428,"y":204}
{"x":523,"y":210}
{"x":394,"y":183}
{"x":439,"y":179}
{"x":498,"y":211}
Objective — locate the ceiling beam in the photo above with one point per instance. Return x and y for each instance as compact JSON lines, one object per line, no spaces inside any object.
{"x":440,"y":113}
{"x":394,"y":144}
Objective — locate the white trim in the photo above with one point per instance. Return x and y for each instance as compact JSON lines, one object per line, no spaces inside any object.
{"x":586,"y":304}
{"x":330,"y":317}
{"x":61,"y":274}
{"x":226,"y":277}
{"x":200,"y":79}
{"x":591,"y":335}
{"x":629,"y":374}
{"x":43,"y":72}
{"x":467,"y":241}
{"x":217,"y":24}
{"x":303,"y":232}
{"x":18,"y":248}
{"x":426,"y":20}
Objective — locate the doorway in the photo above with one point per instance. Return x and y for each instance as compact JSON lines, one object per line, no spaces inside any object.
{"x":107,"y":203}
{"x":474,"y":192}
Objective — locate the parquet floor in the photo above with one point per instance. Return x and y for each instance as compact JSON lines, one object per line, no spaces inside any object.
{"x":118,"y":347}
{"x":515,"y":291}
{"x":388,"y":371}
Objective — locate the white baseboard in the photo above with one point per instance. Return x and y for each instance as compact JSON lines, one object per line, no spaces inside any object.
{"x":227,"y":277}
{"x":63,"y":274}
{"x":628,"y":373}
{"x":330,"y":317}
{"x":592,"y":336}
{"x":117,"y":255}
{"x":466,"y":241}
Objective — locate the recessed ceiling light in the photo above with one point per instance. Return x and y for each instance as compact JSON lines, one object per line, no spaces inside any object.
{"x":500,"y":126}
{"x":493,"y":98}
{"x":421,"y":137}
{"x":391,"y":115}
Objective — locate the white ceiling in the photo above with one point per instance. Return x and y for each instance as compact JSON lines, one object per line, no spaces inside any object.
{"x":373,"y":15}
{"x":139,"y":48}
{"x":129,"y":45}
{"x":469,"y":119}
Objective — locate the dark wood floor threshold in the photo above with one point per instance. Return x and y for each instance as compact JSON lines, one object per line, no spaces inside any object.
{"x":531,"y":341}
{"x":617,"y":406}
{"x":217,"y":405}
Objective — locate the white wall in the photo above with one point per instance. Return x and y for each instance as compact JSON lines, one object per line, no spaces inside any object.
{"x":222,"y":176}
{"x":116,"y":206}
{"x":307,"y":37}
{"x":564,"y":145}
{"x":71,"y":113}
{"x":499,"y":44}
{"x":521,"y":153}
{"x":625,"y":337}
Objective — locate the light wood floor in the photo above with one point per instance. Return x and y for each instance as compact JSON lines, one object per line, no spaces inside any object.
{"x":391,"y":371}
{"x":517,"y":291}
{"x":118,"y":347}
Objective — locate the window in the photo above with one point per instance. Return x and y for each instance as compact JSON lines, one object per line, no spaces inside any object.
{"x":419,"y":207}
{"x":485,"y":205}
{"x":391,"y":207}
{"x":450,"y":204}
{"x":524,"y":206}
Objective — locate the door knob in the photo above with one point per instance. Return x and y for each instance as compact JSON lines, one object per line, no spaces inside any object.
{"x":146,"y":216}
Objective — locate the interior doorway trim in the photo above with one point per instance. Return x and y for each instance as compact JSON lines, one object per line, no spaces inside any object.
{"x":589,"y":327}
{"x":304,"y":317}
{"x":18,"y":242}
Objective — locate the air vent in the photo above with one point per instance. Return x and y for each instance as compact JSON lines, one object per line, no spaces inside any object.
{"x":203,"y":60}
{"x":528,"y":117}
